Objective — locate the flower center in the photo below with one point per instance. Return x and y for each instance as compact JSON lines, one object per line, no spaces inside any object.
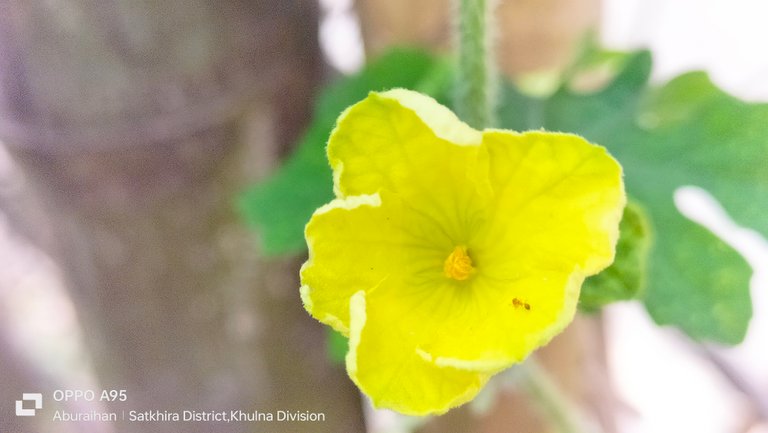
{"x":458,"y":265}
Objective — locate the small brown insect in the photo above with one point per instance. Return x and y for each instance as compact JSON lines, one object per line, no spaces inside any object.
{"x":518,"y":304}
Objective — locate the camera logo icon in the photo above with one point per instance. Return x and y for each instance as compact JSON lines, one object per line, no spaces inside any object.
{"x":36,"y":398}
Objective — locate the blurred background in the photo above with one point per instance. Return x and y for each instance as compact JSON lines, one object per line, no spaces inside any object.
{"x":127,"y":128}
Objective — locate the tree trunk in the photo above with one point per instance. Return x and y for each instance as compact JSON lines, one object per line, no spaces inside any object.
{"x":137,"y":122}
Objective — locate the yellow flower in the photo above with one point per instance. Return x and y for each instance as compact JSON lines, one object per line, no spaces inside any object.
{"x":449,"y":253}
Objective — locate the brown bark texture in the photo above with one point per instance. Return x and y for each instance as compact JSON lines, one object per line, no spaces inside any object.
{"x":135,"y":123}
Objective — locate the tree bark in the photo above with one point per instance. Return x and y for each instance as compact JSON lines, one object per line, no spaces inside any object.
{"x":136,"y":123}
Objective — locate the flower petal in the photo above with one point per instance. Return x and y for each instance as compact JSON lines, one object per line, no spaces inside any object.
{"x":336,"y":269}
{"x":406,"y":143}
{"x":557,"y":203}
{"x":359,"y":242}
{"x":384,"y":362}
{"x":558,"y":200}
{"x":498,"y":323}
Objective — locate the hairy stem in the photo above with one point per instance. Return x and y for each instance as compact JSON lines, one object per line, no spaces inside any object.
{"x":476,"y":79}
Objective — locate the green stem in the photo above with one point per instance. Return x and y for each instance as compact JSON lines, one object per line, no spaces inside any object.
{"x":476,"y":78}
{"x":558,"y":409}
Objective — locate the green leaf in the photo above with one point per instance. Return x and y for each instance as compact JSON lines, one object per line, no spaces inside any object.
{"x":337,"y":346}
{"x":686,"y":132}
{"x":280,"y":207}
{"x":625,"y":278}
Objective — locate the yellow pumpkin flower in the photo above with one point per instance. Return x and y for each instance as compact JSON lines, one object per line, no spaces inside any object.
{"x":450,"y":254}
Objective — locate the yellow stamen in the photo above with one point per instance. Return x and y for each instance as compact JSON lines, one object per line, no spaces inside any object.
{"x":458,"y":265}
